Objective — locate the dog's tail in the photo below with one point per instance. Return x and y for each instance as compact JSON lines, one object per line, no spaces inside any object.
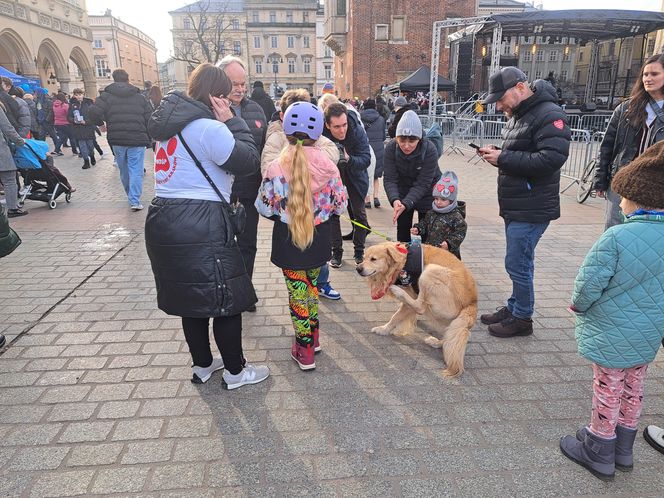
{"x":455,"y":340}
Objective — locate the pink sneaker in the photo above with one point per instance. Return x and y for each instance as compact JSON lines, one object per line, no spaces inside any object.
{"x":317,"y":348}
{"x":303,"y":355}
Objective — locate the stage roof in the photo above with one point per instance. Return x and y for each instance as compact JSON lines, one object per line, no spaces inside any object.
{"x":583,"y":25}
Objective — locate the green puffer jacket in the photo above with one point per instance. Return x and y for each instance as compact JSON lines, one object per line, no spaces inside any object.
{"x":619,"y":294}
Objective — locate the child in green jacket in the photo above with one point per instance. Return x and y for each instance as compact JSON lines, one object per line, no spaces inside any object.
{"x":619,"y":301}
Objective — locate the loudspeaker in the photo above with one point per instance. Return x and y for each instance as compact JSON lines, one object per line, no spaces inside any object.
{"x":588,"y":107}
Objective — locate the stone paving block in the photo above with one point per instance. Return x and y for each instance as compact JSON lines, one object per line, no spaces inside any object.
{"x":188,"y":427}
{"x":145,"y":373}
{"x":41,"y":458}
{"x":103,"y":376}
{"x":164,"y":389}
{"x":93,"y":455}
{"x":203,"y":449}
{"x":62,"y":484}
{"x":31,"y":435}
{"x":122,"y":480}
{"x":21,"y":395}
{"x":121,"y":348}
{"x":12,"y":380}
{"x":111,"y":392}
{"x":336,"y":466}
{"x":115,"y":336}
{"x":46,"y":364}
{"x":65,"y":394}
{"x":486,"y":485}
{"x":287,"y":469}
{"x":80,"y":350}
{"x":130,"y":361}
{"x":147,"y":452}
{"x":350,"y":440}
{"x":14,"y":484}
{"x":22,"y":414}
{"x":90,"y":363}
{"x":224,"y":474}
{"x":118,"y":409}
{"x":76,"y":338}
{"x":137,"y":429}
{"x":185,"y":476}
{"x":86,"y":432}
{"x":164,"y":407}
{"x":171,"y":359}
{"x":433,"y":488}
{"x":161,"y":347}
{"x":305,"y":443}
{"x":67,"y":377}
{"x":392,"y":464}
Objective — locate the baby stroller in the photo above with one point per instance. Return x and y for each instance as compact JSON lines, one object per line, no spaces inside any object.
{"x":43,"y":181}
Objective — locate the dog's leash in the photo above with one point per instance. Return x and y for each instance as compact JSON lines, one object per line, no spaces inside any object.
{"x":389,"y":239}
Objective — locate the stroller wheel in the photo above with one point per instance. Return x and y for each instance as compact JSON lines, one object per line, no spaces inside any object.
{"x":20,"y":203}
{"x":52,"y":204}
{"x":68,"y":197}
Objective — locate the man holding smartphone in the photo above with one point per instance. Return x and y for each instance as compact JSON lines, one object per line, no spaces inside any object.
{"x":535,"y":147}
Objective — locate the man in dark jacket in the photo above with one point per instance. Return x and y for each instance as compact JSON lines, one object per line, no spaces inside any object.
{"x":245,"y":188}
{"x":535,"y":147}
{"x":259,"y":96}
{"x":12,"y":108}
{"x":345,"y":129}
{"x":126,"y":113}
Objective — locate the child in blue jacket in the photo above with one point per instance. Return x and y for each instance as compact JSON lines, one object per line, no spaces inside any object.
{"x":619,"y":301}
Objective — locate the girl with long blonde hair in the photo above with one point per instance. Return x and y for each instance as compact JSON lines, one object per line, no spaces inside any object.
{"x":301,"y":191}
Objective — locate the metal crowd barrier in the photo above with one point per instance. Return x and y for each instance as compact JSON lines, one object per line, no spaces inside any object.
{"x":579,"y":156}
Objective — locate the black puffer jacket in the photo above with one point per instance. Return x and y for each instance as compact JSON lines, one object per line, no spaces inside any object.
{"x":535,"y":147}
{"x":126,"y":113}
{"x":410,"y":178}
{"x":621,"y":145}
{"x":374,"y":125}
{"x":259,"y":96}
{"x":82,"y":131}
{"x":197,"y":266}
{"x":247,"y":186}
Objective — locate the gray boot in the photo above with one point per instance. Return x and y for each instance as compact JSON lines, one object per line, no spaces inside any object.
{"x":624,"y":443}
{"x":594,"y":453}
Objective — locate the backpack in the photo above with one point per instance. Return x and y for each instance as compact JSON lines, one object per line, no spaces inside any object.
{"x":435,"y":134}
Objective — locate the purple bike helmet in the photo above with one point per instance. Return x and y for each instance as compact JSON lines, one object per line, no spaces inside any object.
{"x":303,"y":117}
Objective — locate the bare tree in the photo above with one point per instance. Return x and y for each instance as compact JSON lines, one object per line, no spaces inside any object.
{"x":205,"y":39}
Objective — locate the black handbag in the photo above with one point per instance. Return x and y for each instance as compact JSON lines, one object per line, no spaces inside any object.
{"x":9,"y":239}
{"x":236,"y":212}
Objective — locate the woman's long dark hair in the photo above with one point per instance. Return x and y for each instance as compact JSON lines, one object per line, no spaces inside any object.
{"x":639,"y":98}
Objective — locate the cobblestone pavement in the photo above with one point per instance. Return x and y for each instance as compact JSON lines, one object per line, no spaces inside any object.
{"x":96,"y":399}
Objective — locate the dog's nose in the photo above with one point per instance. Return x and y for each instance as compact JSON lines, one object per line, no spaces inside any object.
{"x":359,"y":268}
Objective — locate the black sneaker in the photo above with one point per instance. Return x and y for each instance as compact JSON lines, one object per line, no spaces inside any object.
{"x":348,"y":236}
{"x":336,"y":262}
{"x":367,"y":205}
{"x":359,"y":257}
{"x":376,"y":202}
{"x":15,"y":213}
{"x":511,"y":327}
{"x":497,"y":317}
{"x":3,"y":341}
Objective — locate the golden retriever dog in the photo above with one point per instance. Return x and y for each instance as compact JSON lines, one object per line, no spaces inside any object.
{"x":447,"y":297}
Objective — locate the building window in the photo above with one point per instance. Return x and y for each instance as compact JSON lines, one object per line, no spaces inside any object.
{"x":237,"y":48}
{"x":328,"y":71}
{"x":291,"y":41}
{"x":291,"y":66}
{"x":578,"y":76}
{"x":273,"y":42}
{"x":327,"y":52}
{"x":186,"y":23}
{"x":507,"y":49}
{"x":307,"y":65}
{"x":259,"y":66}
{"x":382,"y":32}
{"x":257,"y":42}
{"x":526,"y":73}
{"x":275,"y":66}
{"x":399,"y":28}
{"x":289,"y":17}
{"x":538,"y":74}
{"x":97,"y":44}
{"x":235,"y":24}
{"x":566,"y":54}
{"x":580,"y":56}
{"x":305,"y":16}
{"x":540,"y":56}
{"x":306,"y":42}
{"x":341,"y":7}
{"x":563,"y":75}
{"x":527,"y":56}
{"x":553,"y":56}
{"x":222,"y":47}
{"x":273,"y":16}
{"x":341,"y":68}
{"x":254,"y":17}
{"x":651,"y":46}
{"x":100,"y":68}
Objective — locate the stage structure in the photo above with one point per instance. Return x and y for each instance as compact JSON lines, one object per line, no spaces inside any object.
{"x":585,"y":26}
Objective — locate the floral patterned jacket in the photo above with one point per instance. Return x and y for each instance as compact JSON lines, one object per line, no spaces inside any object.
{"x":329,"y":194}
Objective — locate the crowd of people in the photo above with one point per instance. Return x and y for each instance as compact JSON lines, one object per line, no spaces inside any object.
{"x":223,"y":159}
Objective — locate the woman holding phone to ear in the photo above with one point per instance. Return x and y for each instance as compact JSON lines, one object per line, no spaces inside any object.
{"x":197,"y":266}
{"x":636,"y":124}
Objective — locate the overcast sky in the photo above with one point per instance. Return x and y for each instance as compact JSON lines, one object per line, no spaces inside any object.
{"x":152,"y":17}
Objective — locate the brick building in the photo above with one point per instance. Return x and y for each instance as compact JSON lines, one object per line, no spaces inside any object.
{"x":379,"y":42}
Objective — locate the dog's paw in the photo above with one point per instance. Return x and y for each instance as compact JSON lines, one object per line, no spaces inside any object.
{"x":398,"y":292}
{"x":433,"y":342}
{"x":381,"y":330}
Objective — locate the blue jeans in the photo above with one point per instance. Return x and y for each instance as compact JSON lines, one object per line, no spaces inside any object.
{"x":522,"y":238}
{"x":86,"y":148}
{"x":324,"y":276}
{"x":130,"y":164}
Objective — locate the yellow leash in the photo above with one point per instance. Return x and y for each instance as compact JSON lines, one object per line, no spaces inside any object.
{"x":389,"y":239}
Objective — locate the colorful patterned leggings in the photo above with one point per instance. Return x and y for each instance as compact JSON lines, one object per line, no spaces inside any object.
{"x":303,"y":303}
{"x":617,"y":397}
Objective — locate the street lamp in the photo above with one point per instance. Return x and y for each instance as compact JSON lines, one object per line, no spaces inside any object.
{"x":275,"y":69}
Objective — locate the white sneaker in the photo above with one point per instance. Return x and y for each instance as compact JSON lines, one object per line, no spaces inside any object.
{"x":202,"y":375}
{"x":137,"y":207}
{"x":250,"y":374}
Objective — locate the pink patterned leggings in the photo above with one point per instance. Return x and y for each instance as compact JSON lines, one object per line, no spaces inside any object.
{"x":617,"y":398}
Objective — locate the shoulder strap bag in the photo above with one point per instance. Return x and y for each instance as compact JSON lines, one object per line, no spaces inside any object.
{"x":236,"y":212}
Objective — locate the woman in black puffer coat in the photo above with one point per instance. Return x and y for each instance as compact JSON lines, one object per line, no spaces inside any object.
{"x":411,"y":171}
{"x":189,"y":236}
{"x":374,"y":126}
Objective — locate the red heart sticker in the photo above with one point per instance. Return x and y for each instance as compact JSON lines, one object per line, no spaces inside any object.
{"x":440,"y":187}
{"x":259,"y":124}
{"x":558,"y":123}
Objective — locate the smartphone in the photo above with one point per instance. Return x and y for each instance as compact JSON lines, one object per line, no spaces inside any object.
{"x":474,"y":146}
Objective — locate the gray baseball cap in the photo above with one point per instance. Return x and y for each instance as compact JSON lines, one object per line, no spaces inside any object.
{"x":502,"y":81}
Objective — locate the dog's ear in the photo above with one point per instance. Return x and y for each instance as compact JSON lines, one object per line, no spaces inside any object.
{"x":395,"y":250}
